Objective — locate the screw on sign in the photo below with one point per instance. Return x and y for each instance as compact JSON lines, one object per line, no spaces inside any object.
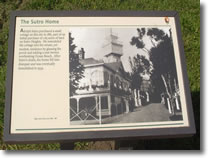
{"x":167,"y":20}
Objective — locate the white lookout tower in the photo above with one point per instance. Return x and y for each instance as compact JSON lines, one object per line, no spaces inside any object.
{"x":113,"y":50}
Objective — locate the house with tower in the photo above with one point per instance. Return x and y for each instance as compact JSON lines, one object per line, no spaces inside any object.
{"x":104,"y":90}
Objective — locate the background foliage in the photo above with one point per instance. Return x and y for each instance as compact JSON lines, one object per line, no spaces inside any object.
{"x":189,"y":11}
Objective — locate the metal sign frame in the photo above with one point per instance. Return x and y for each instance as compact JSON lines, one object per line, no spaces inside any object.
{"x":93,"y":135}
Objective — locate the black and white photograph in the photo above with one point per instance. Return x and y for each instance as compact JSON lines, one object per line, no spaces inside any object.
{"x":123,"y":75}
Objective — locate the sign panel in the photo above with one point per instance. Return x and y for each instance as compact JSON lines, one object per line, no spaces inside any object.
{"x":96,"y":75}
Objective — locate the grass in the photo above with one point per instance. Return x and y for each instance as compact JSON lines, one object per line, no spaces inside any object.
{"x":189,"y":11}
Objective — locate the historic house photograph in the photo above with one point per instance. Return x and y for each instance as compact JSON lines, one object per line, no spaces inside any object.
{"x":122,"y":75}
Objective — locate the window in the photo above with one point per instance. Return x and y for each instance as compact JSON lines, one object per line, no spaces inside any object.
{"x":112,"y":99}
{"x":106,"y":77}
{"x":104,"y":102}
{"x":112,"y":79}
{"x":97,"y":78}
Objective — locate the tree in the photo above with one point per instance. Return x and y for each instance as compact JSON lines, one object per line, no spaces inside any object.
{"x":161,"y":58}
{"x":76,"y":69}
{"x":140,"y":66}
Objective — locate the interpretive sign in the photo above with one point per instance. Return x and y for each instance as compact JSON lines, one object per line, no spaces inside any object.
{"x":95,"y":75}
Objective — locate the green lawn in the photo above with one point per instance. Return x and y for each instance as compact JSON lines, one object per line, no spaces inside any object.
{"x":189,"y":11}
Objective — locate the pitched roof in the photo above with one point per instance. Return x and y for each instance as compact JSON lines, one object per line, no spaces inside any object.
{"x":114,"y":66}
{"x":118,"y":68}
{"x":89,"y":61}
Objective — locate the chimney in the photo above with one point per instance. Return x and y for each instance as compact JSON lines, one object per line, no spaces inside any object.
{"x":81,"y":53}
